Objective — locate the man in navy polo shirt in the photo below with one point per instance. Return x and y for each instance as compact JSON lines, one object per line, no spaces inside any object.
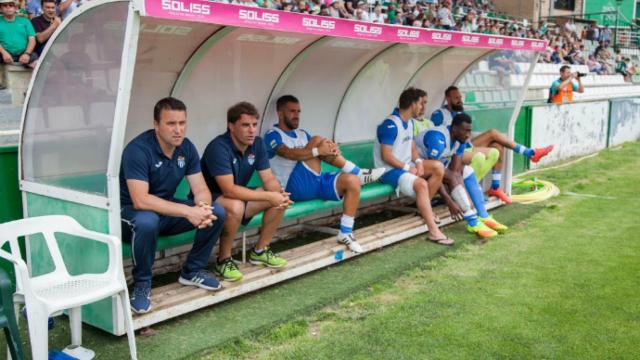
{"x":228,"y":163}
{"x":153,"y":165}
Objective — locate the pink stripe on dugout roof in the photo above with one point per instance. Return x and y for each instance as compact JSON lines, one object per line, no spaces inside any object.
{"x":252,"y":17}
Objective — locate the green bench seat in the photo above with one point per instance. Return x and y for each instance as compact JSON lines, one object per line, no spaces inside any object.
{"x":359,"y":153}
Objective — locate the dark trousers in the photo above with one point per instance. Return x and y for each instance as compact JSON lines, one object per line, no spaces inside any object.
{"x":142,"y":229}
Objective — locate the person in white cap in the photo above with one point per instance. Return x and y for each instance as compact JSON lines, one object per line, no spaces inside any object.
{"x":17,"y":37}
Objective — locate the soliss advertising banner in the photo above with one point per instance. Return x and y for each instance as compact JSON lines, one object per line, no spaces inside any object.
{"x":251,"y":17}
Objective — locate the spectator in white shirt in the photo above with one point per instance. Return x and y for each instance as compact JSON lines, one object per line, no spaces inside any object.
{"x":444,"y":16}
{"x":377,"y":16}
{"x":361,"y":12}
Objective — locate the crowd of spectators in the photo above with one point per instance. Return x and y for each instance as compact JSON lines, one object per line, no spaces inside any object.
{"x":567,"y":46}
{"x":460,"y":15}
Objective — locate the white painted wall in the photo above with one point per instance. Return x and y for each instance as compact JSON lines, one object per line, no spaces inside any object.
{"x":625,"y":121}
{"x":575,"y":129}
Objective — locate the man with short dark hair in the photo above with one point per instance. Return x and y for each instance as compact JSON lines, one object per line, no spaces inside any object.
{"x":405,"y":170}
{"x":297,"y":159}
{"x":17,"y":37}
{"x":447,"y":144}
{"x":228,"y":163}
{"x":153,"y":165}
{"x":490,"y":143}
{"x":63,"y":7}
{"x":561,"y":90}
{"x":46,"y":24}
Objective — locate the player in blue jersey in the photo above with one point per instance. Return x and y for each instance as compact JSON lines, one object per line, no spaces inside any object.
{"x":484,"y":142}
{"x":448,"y":144}
{"x":296,"y":158}
{"x":410,"y":174}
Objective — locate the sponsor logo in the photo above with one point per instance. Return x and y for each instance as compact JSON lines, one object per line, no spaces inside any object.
{"x":367,"y":29}
{"x":318,"y":24}
{"x":434,"y":153}
{"x":274,"y":144}
{"x":166,"y":30}
{"x":438,"y":36}
{"x":537,"y":45}
{"x":253,"y":15}
{"x":470,"y":39}
{"x":181,"y":6}
{"x":496,"y":41}
{"x":282,"y":40}
{"x":517,"y":43}
{"x":158,"y":164}
{"x":406,"y":33}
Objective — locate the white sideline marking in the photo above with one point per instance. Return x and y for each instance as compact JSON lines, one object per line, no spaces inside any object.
{"x":590,"y":195}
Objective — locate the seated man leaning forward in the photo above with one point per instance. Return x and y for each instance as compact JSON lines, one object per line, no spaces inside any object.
{"x":447,"y":144}
{"x":296,"y":158}
{"x":228,"y":163}
{"x":490,"y":143}
{"x":153,"y":165}
{"x":396,"y":151}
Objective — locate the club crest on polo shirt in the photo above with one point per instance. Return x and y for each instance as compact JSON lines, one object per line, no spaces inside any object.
{"x":181,"y":161}
{"x":251,"y":159}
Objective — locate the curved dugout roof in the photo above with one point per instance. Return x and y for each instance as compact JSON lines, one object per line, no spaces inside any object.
{"x":347,"y":74}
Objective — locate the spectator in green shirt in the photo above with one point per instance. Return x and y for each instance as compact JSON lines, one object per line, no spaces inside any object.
{"x":17,"y":36}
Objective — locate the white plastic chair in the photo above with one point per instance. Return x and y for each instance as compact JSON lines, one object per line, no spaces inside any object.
{"x":53,"y":292}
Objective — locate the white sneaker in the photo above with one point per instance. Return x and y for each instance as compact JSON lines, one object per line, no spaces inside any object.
{"x":367,"y":176}
{"x":350,"y":241}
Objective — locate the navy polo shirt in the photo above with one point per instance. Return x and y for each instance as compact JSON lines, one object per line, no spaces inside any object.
{"x":222,"y":157}
{"x":143,"y":159}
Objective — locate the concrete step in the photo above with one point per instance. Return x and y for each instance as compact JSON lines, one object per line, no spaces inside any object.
{"x":5,"y":97}
{"x":9,"y":140}
{"x":10,"y":117}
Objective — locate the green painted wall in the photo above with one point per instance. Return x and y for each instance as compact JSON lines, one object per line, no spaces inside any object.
{"x":498,"y":118}
{"x":11,"y":208}
{"x":596,"y":6}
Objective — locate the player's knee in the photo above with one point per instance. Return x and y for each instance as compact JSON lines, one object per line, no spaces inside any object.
{"x":146,"y":222}
{"x":234,"y":208}
{"x":351,"y":182}
{"x":316,"y":140}
{"x":436,"y":168}
{"x":420,"y":185}
{"x":493,"y":133}
{"x":219,"y":212}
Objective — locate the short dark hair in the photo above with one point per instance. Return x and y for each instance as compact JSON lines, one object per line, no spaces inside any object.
{"x":236,"y":111}
{"x":564,"y":67}
{"x":409,"y":96}
{"x":284,"y":100}
{"x":48,"y":1}
{"x":168,"y":103}
{"x":461,"y":118}
{"x":450,"y":89}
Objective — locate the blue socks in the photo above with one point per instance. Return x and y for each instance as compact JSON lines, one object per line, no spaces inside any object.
{"x":475,"y":193}
{"x":496,"y":176}
{"x":524,"y":150}
{"x":350,"y":168}
{"x":472,"y":219}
